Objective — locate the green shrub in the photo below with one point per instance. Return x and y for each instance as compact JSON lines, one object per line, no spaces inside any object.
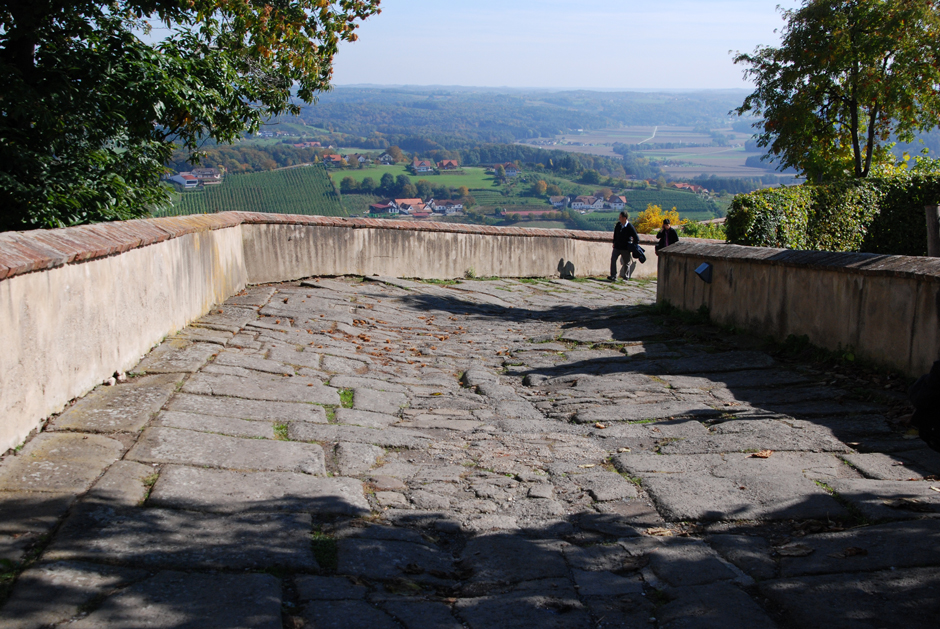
{"x":773,"y":217}
{"x":874,"y":215}
{"x":713,"y":231}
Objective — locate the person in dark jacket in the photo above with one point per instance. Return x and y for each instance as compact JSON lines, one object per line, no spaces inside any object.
{"x":925,"y":396}
{"x":626,"y":240}
{"x":667,"y":236}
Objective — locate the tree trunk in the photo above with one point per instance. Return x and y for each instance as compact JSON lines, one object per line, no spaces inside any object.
{"x":933,"y":230}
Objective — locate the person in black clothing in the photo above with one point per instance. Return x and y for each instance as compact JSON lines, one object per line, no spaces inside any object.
{"x":626,"y":239}
{"x":667,"y":236}
{"x":925,"y":396}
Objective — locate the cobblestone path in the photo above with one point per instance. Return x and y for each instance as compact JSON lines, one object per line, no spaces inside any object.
{"x":388,"y":453}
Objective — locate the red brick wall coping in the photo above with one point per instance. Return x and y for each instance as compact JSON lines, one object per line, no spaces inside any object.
{"x":37,"y":250}
{"x":857,"y":263}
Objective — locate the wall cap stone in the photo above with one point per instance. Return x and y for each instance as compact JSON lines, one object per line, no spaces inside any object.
{"x":910,"y":267}
{"x":41,"y":249}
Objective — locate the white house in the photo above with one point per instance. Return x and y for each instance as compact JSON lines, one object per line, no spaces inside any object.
{"x":588,"y":203}
{"x":617,"y":202}
{"x":560,"y":202}
{"x":422,"y":165}
{"x":446,"y":207}
{"x":186,"y":180}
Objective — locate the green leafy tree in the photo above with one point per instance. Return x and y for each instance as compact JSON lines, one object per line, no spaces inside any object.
{"x":387,"y":184}
{"x":848,"y":75}
{"x":423,"y":186}
{"x":367,"y":186}
{"x":90,"y":113}
{"x":591,"y":177}
{"x":348,"y":186}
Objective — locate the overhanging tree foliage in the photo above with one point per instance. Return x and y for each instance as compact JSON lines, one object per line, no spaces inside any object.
{"x":90,"y":113}
{"x":848,"y":75}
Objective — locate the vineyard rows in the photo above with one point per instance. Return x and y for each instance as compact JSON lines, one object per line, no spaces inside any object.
{"x":305,"y":190}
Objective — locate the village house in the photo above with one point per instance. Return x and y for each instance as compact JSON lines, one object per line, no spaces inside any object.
{"x":559,"y":202}
{"x":207,"y":176}
{"x":386,"y":160}
{"x":616,"y":202}
{"x":422,"y":165}
{"x":409,"y":206}
{"x":446,"y":206}
{"x":688,"y":186}
{"x":332,"y":159}
{"x":448,"y":164}
{"x":356,"y":159}
{"x":511,"y":169}
{"x":588,"y":203}
{"x":308,"y":145}
{"x":384,"y":207}
{"x":186,"y":180}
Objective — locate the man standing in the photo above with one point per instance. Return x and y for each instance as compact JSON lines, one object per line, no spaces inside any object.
{"x":625,"y":238}
{"x":667,"y":236}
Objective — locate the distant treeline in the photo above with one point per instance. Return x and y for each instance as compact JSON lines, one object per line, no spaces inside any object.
{"x":246,"y":158}
{"x":737,"y":185}
{"x":447,"y":116}
{"x":401,"y":187}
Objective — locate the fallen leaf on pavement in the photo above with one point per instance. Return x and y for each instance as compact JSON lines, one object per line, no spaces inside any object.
{"x":851,"y":551}
{"x":795,"y":550}
{"x":763,"y":454}
{"x":621,"y":450}
{"x":600,"y":425}
{"x":589,"y":465}
{"x":660,"y":532}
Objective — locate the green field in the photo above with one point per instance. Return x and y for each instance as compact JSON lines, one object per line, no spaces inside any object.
{"x":306,"y":190}
{"x":686,"y":203}
{"x":473,"y":178}
{"x":358,"y":204}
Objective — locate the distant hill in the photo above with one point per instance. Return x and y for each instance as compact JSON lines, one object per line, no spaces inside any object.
{"x":300,"y":190}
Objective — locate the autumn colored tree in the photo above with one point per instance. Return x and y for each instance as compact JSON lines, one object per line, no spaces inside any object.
{"x":651,"y":219}
{"x":848,"y":75}
{"x":90,"y":113}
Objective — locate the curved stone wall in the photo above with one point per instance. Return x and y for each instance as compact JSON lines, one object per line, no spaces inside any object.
{"x":80,"y":303}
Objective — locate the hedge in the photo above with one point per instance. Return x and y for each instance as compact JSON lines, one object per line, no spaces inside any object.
{"x":874,"y":215}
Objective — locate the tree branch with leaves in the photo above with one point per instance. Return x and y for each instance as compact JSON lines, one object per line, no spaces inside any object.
{"x":848,"y":77}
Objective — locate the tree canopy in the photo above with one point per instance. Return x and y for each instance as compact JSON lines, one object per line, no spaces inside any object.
{"x":848,"y":76}
{"x":90,"y":113}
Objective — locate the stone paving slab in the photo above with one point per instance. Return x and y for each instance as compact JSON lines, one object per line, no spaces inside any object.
{"x":640,"y":412}
{"x":125,"y":484}
{"x":224,"y":491}
{"x":59,"y":462}
{"x":392,"y":559}
{"x":386,"y":402}
{"x":53,"y":593}
{"x":889,"y":500}
{"x":716,"y":606}
{"x":542,"y":605}
{"x":365,"y":419}
{"x":734,"y":487}
{"x":124,"y":407}
{"x":883,"y":547}
{"x":898,"y":599}
{"x":887,"y":467}
{"x":263,"y":387}
{"x":32,"y":512}
{"x":177,"y":356}
{"x":747,"y":435}
{"x":163,"y":538}
{"x":389,"y":438}
{"x":185,"y":447}
{"x":177,"y":599}
{"x":219,"y":425}
{"x":281,"y":412}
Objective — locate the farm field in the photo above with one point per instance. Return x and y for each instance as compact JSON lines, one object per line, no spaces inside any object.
{"x":474,"y":178}
{"x":305,"y":190}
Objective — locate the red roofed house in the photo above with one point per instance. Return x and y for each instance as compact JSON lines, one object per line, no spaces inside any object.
{"x":187,"y":180}
{"x":422,"y":165}
{"x":511,"y":169}
{"x":385,"y":207}
{"x":587,"y":203}
{"x":410,"y":206}
{"x":617,"y":202}
{"x":448,"y":164}
{"x":332,"y":159}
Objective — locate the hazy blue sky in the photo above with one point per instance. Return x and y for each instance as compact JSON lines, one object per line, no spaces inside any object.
{"x":554,"y":43}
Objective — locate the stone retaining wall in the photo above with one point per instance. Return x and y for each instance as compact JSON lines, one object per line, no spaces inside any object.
{"x":80,"y":303}
{"x":885,"y":308}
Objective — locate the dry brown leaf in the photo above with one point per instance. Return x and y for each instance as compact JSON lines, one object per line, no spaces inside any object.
{"x":588,"y":466}
{"x":795,"y":550}
{"x":622,"y":450}
{"x":600,"y":425}
{"x":660,"y":532}
{"x":763,"y":454}
{"x":851,"y":551}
